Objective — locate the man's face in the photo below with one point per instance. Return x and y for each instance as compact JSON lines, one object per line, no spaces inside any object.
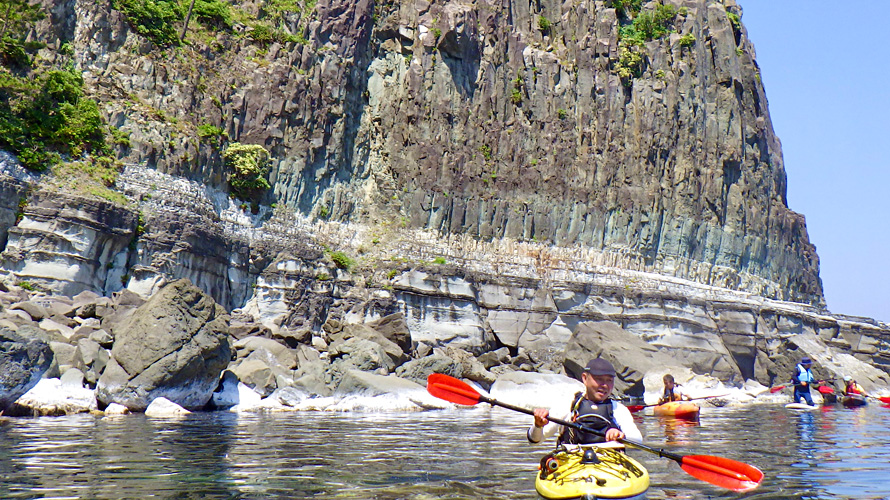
{"x":598,"y":386}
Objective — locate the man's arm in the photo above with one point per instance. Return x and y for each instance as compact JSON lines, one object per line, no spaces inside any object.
{"x":625,"y":422}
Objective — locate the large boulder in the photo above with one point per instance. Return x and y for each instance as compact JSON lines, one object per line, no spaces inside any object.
{"x":174,"y":346}
{"x":631,"y":355}
{"x":23,"y":360}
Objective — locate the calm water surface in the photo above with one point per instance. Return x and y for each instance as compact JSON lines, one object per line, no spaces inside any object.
{"x":459,"y":454}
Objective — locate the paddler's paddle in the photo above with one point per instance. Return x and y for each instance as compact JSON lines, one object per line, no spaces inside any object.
{"x":883,"y":399}
{"x":778,"y":388}
{"x":636,"y":408}
{"x":719,"y":471}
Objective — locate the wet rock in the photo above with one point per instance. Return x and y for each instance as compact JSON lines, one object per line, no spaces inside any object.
{"x":116,"y":409}
{"x":55,"y":397}
{"x":23,"y":360}
{"x":164,"y":408}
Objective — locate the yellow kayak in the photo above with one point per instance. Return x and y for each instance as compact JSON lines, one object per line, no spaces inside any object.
{"x":591,"y":471}
{"x":678,"y":409}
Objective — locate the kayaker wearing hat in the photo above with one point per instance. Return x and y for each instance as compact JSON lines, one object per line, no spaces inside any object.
{"x":593,"y":409}
{"x":802,"y":380}
{"x":851,"y":387}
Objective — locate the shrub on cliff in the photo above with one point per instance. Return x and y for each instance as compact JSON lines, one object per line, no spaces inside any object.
{"x":153,"y":19}
{"x":249,"y":164}
{"x":47,"y":115}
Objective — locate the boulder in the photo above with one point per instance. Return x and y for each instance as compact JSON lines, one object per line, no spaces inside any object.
{"x":55,"y":397}
{"x":164,"y":408}
{"x":395,"y":328}
{"x":352,"y":331}
{"x":174,"y":346}
{"x":418,"y":370}
{"x":95,"y":359}
{"x":257,"y":375}
{"x":273,"y":351}
{"x":363,"y":354}
{"x":631,"y":356}
{"x":23,"y":360}
{"x":115,"y":409}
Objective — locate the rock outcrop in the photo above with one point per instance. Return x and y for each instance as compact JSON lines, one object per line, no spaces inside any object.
{"x":174,"y":346}
{"x":23,"y":360}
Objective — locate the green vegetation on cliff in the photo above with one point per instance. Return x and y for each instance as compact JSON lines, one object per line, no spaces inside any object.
{"x":249,"y":164}
{"x":636,"y":29}
{"x":47,"y":115}
{"x":161,"y":20}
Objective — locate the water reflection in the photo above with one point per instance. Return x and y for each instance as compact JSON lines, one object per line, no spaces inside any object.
{"x":678,"y":431}
{"x":462,"y":454}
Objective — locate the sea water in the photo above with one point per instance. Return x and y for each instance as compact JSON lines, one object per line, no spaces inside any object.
{"x":478,"y":453}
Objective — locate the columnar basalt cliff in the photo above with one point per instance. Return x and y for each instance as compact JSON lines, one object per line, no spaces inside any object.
{"x":470,"y":118}
{"x":503,"y":174}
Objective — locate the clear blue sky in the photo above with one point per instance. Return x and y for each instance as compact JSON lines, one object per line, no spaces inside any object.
{"x":824,"y":65}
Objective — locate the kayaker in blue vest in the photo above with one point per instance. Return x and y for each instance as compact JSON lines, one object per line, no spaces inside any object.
{"x":593,"y":409}
{"x":802,"y":380}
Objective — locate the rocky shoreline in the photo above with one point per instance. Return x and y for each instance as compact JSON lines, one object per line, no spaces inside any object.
{"x":180,"y":351}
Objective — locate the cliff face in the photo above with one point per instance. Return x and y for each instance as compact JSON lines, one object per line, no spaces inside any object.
{"x":479,"y":119}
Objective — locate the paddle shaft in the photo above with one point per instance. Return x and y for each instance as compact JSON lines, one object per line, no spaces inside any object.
{"x":680,"y":401}
{"x":658,"y":451}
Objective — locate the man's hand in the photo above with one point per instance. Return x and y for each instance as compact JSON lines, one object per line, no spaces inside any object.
{"x":541,"y":415}
{"x":614,"y":434}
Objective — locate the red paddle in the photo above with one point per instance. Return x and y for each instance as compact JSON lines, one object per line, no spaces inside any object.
{"x":776,"y":389}
{"x":719,"y":471}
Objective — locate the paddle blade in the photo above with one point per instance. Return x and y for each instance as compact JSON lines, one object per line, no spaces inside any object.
{"x":776,"y":389}
{"x":885,"y":399}
{"x":723,"y":472}
{"x":451,"y":389}
{"x":824,"y":389}
{"x":635,"y":408}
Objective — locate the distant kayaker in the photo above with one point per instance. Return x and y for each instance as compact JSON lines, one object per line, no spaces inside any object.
{"x":851,"y":387}
{"x":593,"y":409}
{"x":802,"y":379}
{"x":672,"y":391}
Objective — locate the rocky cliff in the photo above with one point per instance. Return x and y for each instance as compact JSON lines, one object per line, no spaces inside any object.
{"x":494,"y":120}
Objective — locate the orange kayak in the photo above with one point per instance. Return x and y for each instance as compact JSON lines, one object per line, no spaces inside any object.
{"x":678,"y":409}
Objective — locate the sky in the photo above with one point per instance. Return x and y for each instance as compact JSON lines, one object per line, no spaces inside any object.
{"x":824,"y":65}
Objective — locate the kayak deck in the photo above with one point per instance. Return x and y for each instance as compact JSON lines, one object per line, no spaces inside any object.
{"x":590,"y":472}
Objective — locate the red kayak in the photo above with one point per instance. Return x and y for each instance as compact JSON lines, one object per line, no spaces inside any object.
{"x":677,"y":409}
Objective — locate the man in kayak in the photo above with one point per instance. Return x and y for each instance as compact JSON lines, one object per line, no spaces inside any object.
{"x":851,"y":387}
{"x":671,"y":391}
{"x":802,"y":379}
{"x":592,"y":409}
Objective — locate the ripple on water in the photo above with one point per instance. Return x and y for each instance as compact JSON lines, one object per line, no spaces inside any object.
{"x":833,"y":454}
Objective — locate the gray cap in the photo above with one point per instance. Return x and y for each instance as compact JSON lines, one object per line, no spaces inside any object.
{"x":600,"y":366}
